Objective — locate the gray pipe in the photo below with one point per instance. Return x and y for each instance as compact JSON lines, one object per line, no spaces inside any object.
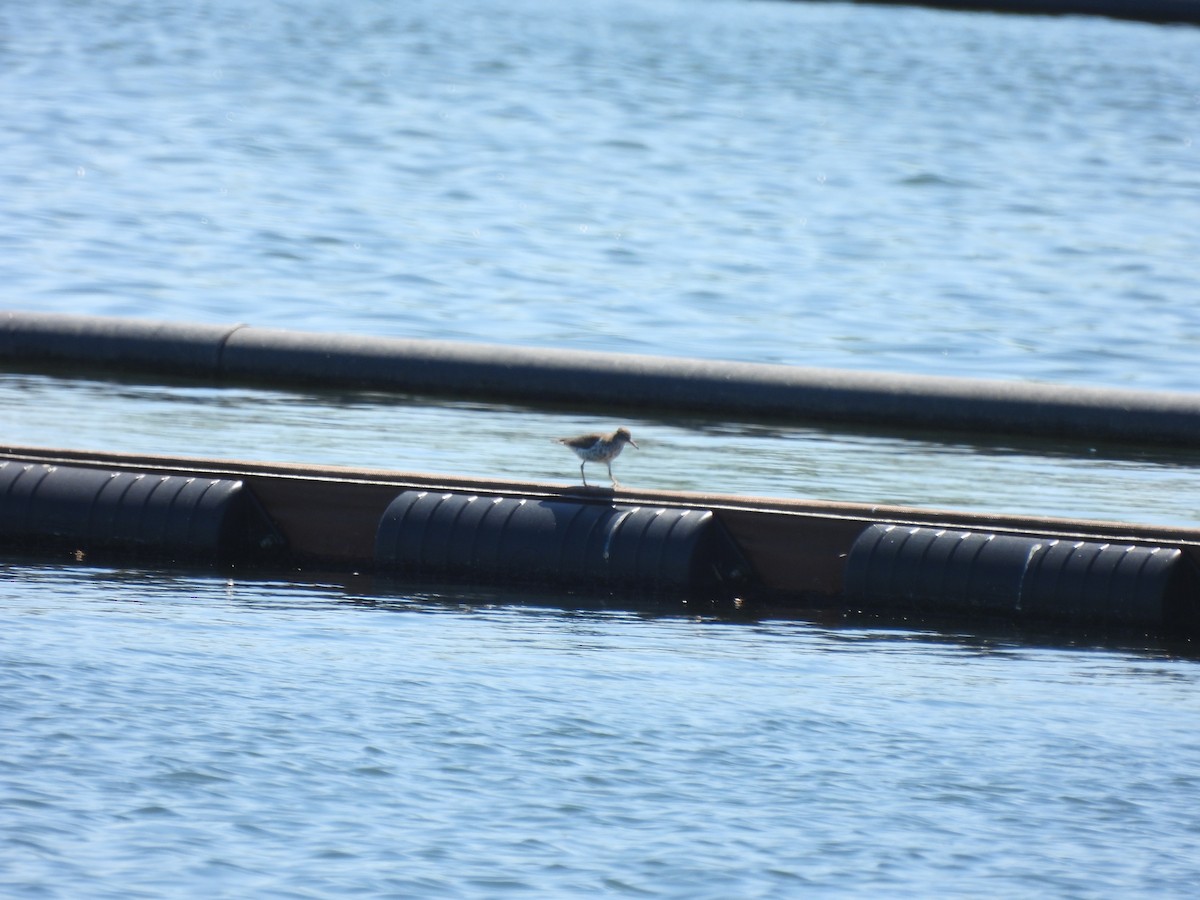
{"x":611,"y":381}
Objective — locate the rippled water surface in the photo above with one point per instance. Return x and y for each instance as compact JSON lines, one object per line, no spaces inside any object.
{"x":815,"y":183}
{"x":173,"y":736}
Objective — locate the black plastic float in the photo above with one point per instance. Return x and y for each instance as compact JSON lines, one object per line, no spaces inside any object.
{"x":89,"y":509}
{"x":597,"y":545}
{"x":947,"y":570}
{"x":790,"y":558}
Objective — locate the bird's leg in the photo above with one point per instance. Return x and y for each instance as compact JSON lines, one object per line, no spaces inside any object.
{"x":581,"y":473}
{"x":610,"y":474}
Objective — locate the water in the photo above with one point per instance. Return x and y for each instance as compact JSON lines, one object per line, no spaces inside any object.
{"x":170,"y":736}
{"x":396,"y":432}
{"x":906,"y":189}
{"x":822,"y":184}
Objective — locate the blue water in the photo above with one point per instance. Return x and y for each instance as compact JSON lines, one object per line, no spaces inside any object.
{"x":813,"y":183}
{"x":1014,"y":197}
{"x":167,"y":736}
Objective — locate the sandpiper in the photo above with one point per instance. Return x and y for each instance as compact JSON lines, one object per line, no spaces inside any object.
{"x":599,"y":448}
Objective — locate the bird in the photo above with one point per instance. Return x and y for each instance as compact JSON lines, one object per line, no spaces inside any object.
{"x":599,"y":448}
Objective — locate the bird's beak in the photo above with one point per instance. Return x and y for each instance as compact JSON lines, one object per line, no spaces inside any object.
{"x":633,"y":443}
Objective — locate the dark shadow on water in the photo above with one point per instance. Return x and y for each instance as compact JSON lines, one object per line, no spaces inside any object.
{"x":992,"y":635}
{"x":251,"y":588}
